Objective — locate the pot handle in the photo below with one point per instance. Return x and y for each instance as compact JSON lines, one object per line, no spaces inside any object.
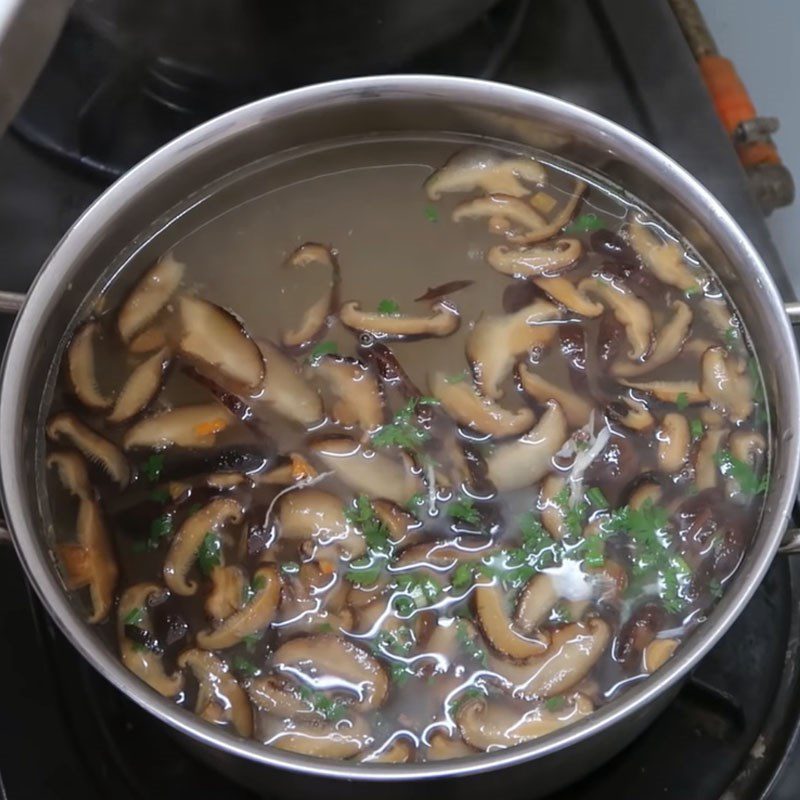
{"x":793,"y":312}
{"x":11,"y":302}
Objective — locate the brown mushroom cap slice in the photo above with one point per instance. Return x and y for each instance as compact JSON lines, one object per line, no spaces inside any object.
{"x":214,"y":338}
{"x":81,"y":367}
{"x":150,"y":294}
{"x":657,"y":653}
{"x":185,"y":426}
{"x":629,"y":310}
{"x":144,"y":663}
{"x":227,"y":592}
{"x":367,"y":471}
{"x":285,"y":390}
{"x":463,"y":403}
{"x":312,"y":514}
{"x":706,"y":471}
{"x":557,"y":222}
{"x":479,"y":168}
{"x":535,"y":602}
{"x":565,"y":292}
{"x":218,"y":687}
{"x":72,"y":472}
{"x":646,"y":492}
{"x":277,"y":696}
{"x":669,"y":342}
{"x":496,"y":342}
{"x":575,"y":408}
{"x":500,"y":205}
{"x":538,"y":261}
{"x":66,"y":426}
{"x":726,"y":383}
{"x":398,"y":750}
{"x":674,"y":440}
{"x":255,"y":616}
{"x":358,"y":393}
{"x":664,"y":259}
{"x":527,"y":460}
{"x":339,"y":663}
{"x":442,"y":747}
{"x":91,"y":561}
{"x":339,"y":740}
{"x":315,"y":317}
{"x":495,"y":724}
{"x":495,"y":621}
{"x":400,"y":523}
{"x":150,"y":339}
{"x":574,"y":649}
{"x":141,"y":388}
{"x":636,"y":416}
{"x":189,"y":538}
{"x":670,"y":391}
{"x":443,"y":321}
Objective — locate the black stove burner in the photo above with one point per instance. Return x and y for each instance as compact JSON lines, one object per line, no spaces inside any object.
{"x":104,"y":112}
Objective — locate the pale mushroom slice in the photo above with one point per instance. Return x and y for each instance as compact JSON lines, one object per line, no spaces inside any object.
{"x":144,"y":663}
{"x":189,"y":538}
{"x":150,"y":339}
{"x":574,"y":649}
{"x":669,"y":391}
{"x":278,"y":696}
{"x":213,"y":338}
{"x":185,"y":426}
{"x":228,"y":587}
{"x":496,"y":342}
{"x":81,"y":367}
{"x":558,"y":221}
{"x":150,"y":294}
{"x":535,"y":602}
{"x":339,"y":740}
{"x":575,"y":408}
{"x":373,"y":473}
{"x":285,"y":390}
{"x":523,"y":462}
{"x":645,"y":493}
{"x":402,"y":525}
{"x":91,"y":562}
{"x":341,"y":665}
{"x":493,"y":172}
{"x":706,"y":470}
{"x":657,"y":653}
{"x":489,"y":725}
{"x":669,"y":343}
{"x":398,"y":750}
{"x":72,"y":473}
{"x":442,"y":747}
{"x":141,"y":388}
{"x":359,"y":399}
{"x":565,"y":292}
{"x":629,"y":310}
{"x":508,"y":207}
{"x":538,"y":261}
{"x":463,"y":403}
{"x":494,"y":618}
{"x":674,"y":440}
{"x":726,"y":383}
{"x":315,"y":317}
{"x":552,"y":513}
{"x":220,"y":699}
{"x":633,"y":414}
{"x":443,"y":320}
{"x":255,"y":616}
{"x":318,"y":516}
{"x":65,"y":426}
{"x":666,"y":260}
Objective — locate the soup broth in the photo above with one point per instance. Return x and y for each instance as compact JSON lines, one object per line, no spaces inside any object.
{"x":404,"y":450}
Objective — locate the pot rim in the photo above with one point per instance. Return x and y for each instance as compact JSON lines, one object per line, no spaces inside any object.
{"x":227,"y":126}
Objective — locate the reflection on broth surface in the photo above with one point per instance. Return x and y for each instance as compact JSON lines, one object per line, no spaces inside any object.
{"x":405,"y":450}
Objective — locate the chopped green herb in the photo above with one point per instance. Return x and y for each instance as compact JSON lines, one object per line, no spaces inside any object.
{"x":470,"y":646}
{"x":561,"y":499}
{"x":404,"y":430}
{"x":594,"y":551}
{"x":419,"y":590}
{"x":325,"y":627}
{"x":153,"y":466}
{"x":398,"y":642}
{"x":290,"y":568}
{"x":555,"y":703}
{"x":245,"y":666}
{"x":431,"y":213}
{"x":458,"y":377}
{"x":160,"y":496}
{"x":693,"y":290}
{"x":324,"y":348}
{"x":596,"y":497}
{"x":467,"y":694}
{"x":463,"y":508}
{"x":696,"y":428}
{"x":682,"y":401}
{"x":160,"y":529}
{"x":375,"y":532}
{"x":134,"y":616}
{"x":210,"y":553}
{"x":388,"y":307}
{"x":257,"y":584}
{"x":365,"y":571}
{"x":731,"y":336}
{"x":416,"y":501}
{"x":715,"y":587}
{"x":462,"y":576}
{"x":331,"y":709}
{"x":585,"y":223}
{"x":741,"y":472}
{"x":251,"y":641}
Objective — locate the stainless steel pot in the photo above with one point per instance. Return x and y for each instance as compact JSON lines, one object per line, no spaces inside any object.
{"x":358,"y":107}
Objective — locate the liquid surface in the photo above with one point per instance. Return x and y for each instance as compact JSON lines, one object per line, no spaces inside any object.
{"x":358,"y":524}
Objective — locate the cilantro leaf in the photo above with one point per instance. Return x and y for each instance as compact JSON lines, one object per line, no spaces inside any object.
{"x":463,"y":508}
{"x":584,"y":224}
{"x":365,"y":571}
{"x":134,"y":616}
{"x":741,"y":472}
{"x":596,"y":497}
{"x":245,"y":666}
{"x":469,"y":645}
{"x":210,"y":553}
{"x":696,"y":429}
{"x":431,"y":213}
{"x":404,"y":430}
{"x":555,"y":703}
{"x":153,"y":467}
{"x":388,"y":307}
{"x":467,"y":694}
{"x":682,"y":401}
{"x":324,"y":348}
{"x":251,"y":641}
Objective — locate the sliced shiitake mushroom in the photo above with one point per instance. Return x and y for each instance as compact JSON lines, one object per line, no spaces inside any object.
{"x":510,"y":208}
{"x":535,"y":602}
{"x":278,"y":696}
{"x":141,"y":388}
{"x":670,"y":391}
{"x":442,"y":747}
{"x":747,"y":447}
{"x":186,"y":426}
{"x":254,"y":617}
{"x":402,"y":525}
{"x":538,"y":261}
{"x":558,"y":221}
{"x":316,"y":316}
{"x":575,"y":408}
{"x":706,"y":471}
{"x":189,"y":538}
{"x":285,"y":390}
{"x":674,"y":441}
{"x":629,"y":310}
{"x":150,"y":339}
{"x":726,"y":383}
{"x":219,"y":696}
{"x":631,"y":413}
{"x":150,"y":294}
{"x":367,"y":471}
{"x":228,"y":585}
{"x":664,"y":259}
{"x":343,"y":739}
{"x":341,"y":662}
{"x":398,"y":750}
{"x":527,"y":460}
{"x":495,"y":620}
{"x":570,"y":296}
{"x":657,"y":653}
{"x":357,"y":391}
{"x":144,"y":662}
{"x":463,"y":403}
{"x":72,"y":473}
{"x":552,"y":513}
{"x":443,"y":321}
{"x":488,"y":725}
{"x":66,"y":426}
{"x":478,"y":168}
{"x":81,"y":367}
{"x":214,"y":339}
{"x":496,"y":342}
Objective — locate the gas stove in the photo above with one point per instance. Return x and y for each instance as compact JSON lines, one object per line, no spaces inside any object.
{"x":732,"y":732}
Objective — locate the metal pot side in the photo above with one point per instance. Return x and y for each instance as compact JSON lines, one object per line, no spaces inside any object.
{"x":357,"y":107}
